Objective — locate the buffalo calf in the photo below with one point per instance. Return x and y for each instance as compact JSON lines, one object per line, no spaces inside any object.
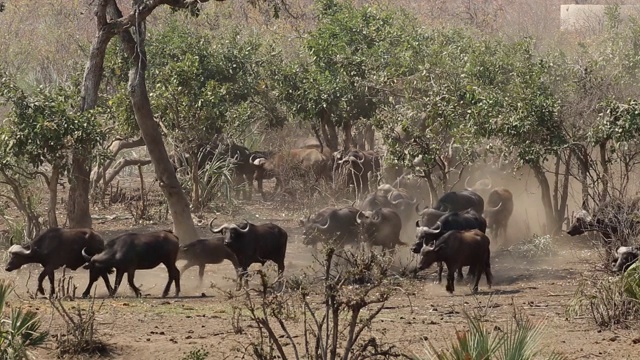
{"x":457,"y":249}
{"x":133,"y":251}
{"x":207,"y":251}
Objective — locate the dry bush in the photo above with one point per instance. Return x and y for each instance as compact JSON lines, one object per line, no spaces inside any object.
{"x":603,"y":299}
{"x":81,"y":335}
{"x":334,"y":309}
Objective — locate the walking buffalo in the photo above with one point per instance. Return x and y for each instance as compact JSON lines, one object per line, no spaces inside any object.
{"x":464,"y":220}
{"x":356,"y":167}
{"x":207,"y":251}
{"x":55,"y":248}
{"x":134,"y":251}
{"x":460,"y":201}
{"x":381,"y":227}
{"x":331,"y":224}
{"x":498,"y":211}
{"x":458,"y":249}
{"x":253,"y":243}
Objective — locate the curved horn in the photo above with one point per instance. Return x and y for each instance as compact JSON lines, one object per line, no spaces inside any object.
{"x":490,"y":182}
{"x":436,"y":228}
{"x":17,"y":249}
{"x":358,"y":217}
{"x":85,"y":256}
{"x":211,"y":224}
{"x":246,"y":227}
{"x":219,"y":229}
{"x":466,"y":185}
{"x":324,"y":226}
{"x":497,"y":207}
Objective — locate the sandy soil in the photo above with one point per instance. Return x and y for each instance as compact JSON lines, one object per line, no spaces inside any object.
{"x":152,"y":328}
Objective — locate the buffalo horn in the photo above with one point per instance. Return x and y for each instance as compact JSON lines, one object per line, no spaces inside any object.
{"x":417,"y":207}
{"x":17,"y":249}
{"x":85,"y":256}
{"x":497,"y":207}
{"x":358,"y":217}
{"x":211,"y":224}
{"x":435,"y":230}
{"x":466,"y":185}
{"x":490,"y":182}
{"x":325,"y":225}
{"x":246,"y":228}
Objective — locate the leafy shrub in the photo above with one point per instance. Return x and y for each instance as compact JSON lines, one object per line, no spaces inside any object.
{"x":20,"y":331}
{"x":520,"y":341}
{"x":196,"y":354}
{"x":535,"y":246}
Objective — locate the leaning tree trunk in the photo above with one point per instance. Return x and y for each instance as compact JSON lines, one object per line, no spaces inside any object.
{"x":53,"y":195}
{"x":195,"y":181}
{"x":347,"y":141}
{"x":178,"y":203}
{"x":545,"y":189}
{"x":604,"y":162}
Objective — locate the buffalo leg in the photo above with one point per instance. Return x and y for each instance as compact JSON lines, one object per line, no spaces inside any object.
{"x":119,"y":275}
{"x":478,"y":275}
{"x":130,"y":275}
{"x":487,"y":271}
{"x":40,"y":289}
{"x":52,"y":283}
{"x":174,"y":276}
{"x":238,"y":279}
{"x":93,"y":277}
{"x":439,"y":272}
{"x":107,"y":283}
{"x":450,"y":278}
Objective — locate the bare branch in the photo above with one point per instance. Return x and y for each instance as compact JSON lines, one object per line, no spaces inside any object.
{"x":123,"y":163}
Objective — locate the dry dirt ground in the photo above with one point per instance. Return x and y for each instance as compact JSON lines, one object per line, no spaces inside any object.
{"x":155,"y":328}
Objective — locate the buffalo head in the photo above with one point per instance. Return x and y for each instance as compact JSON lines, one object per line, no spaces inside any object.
{"x":583,"y":222}
{"x":429,"y":255}
{"x":232,"y":232}
{"x":490,"y":213}
{"x":484,"y":184}
{"x":20,"y":255}
{"x":314,"y":230}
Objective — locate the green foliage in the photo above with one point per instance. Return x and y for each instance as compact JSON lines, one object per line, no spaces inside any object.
{"x":43,"y":126}
{"x":197,"y":354}
{"x":20,"y":331}
{"x":520,"y":341}
{"x":201,"y":85}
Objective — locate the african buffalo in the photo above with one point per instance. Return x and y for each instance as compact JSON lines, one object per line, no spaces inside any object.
{"x":253,"y":243}
{"x":207,"y":251}
{"x":380,"y":227}
{"x":458,"y":249}
{"x":460,"y":201}
{"x":331,"y":224}
{"x":357,"y":167}
{"x":55,"y":248}
{"x":498,"y":211}
{"x":462,"y":220}
{"x":482,"y":185}
{"x":625,"y":257}
{"x":299,"y":163}
{"x":134,"y":251}
{"x":613,"y":219}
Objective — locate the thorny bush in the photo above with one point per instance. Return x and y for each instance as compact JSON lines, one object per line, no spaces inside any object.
{"x":335,"y":310}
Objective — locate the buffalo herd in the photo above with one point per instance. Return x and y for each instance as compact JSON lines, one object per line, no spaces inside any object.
{"x":453,"y":232}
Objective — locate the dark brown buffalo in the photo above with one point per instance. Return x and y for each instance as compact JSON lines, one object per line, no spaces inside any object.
{"x":458,"y":249}
{"x":134,"y":251}
{"x":380,"y":227}
{"x":253,"y":243}
{"x":296,"y":163}
{"x":357,"y":167}
{"x":207,"y":251}
{"x":56,"y":248}
{"x":331,"y":224}
{"x":498,"y":212}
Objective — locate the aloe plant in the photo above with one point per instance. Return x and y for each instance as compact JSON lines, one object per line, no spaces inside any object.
{"x":519,"y":342}
{"x":20,"y":331}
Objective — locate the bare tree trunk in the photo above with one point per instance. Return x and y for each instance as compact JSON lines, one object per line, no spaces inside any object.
{"x":604,"y":162}
{"x":330,"y":133}
{"x":53,"y":195}
{"x":564,"y":196}
{"x":348,"y":142}
{"x":177,"y":200}
{"x":78,"y":209}
{"x":370,"y":136}
{"x":195,"y":179}
{"x":540,"y":175}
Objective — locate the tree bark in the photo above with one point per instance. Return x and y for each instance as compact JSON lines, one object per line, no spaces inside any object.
{"x":78,"y":209}
{"x":183,"y":225}
{"x":370,"y":137}
{"x":604,"y":162}
{"x":116,"y":147}
{"x":53,"y":195}
{"x":348,"y":142}
{"x":540,"y":175}
{"x":195,"y":179}
{"x":329,"y":130}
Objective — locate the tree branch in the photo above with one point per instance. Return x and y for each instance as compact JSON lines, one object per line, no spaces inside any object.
{"x":123,"y":163}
